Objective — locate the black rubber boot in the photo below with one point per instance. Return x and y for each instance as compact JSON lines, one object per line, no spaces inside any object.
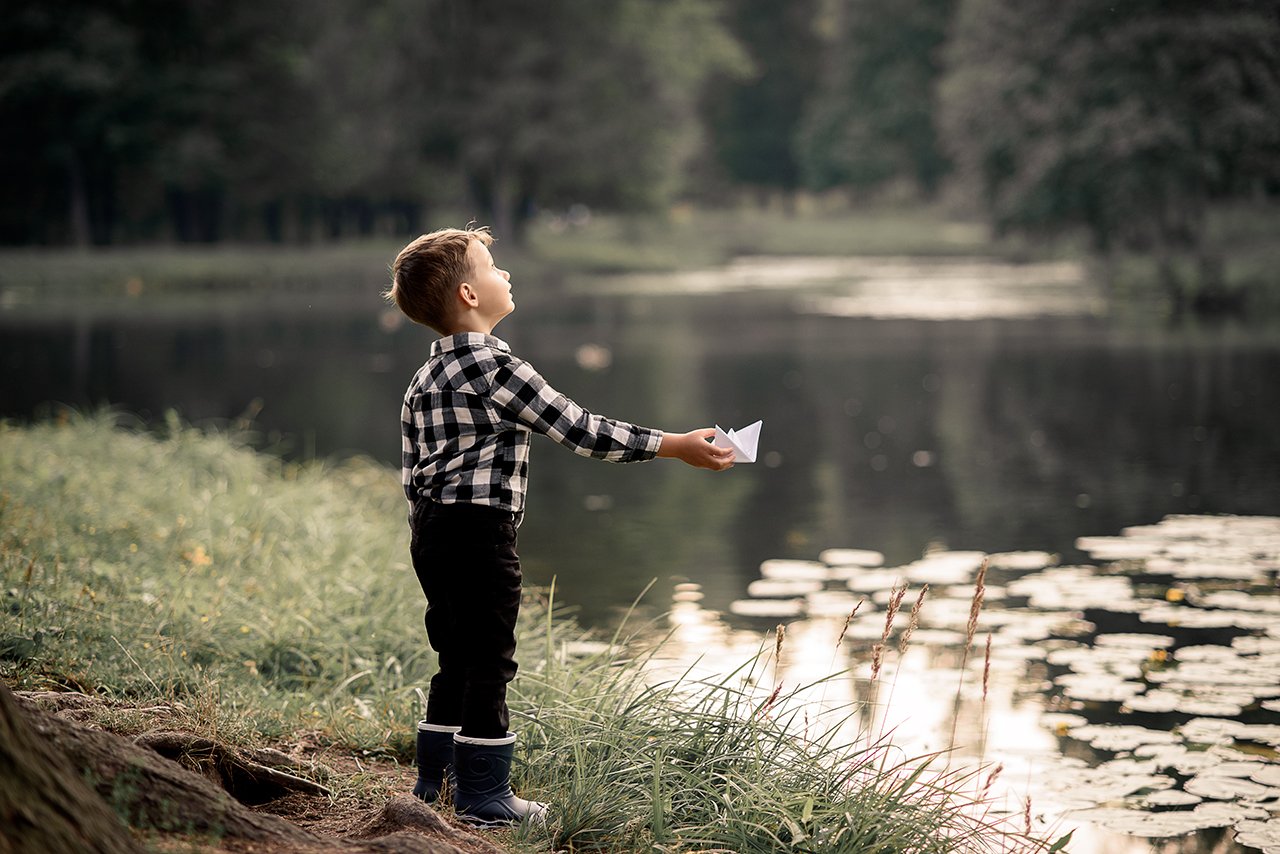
{"x":483,"y":796}
{"x":435,"y":759}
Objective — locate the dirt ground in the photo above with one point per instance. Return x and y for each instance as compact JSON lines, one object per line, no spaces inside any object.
{"x":294,"y":797}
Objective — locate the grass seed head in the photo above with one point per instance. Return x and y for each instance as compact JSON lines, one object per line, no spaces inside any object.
{"x":991,"y":778}
{"x":891,"y":610}
{"x":848,"y":620}
{"x":915,"y":620}
{"x":975,"y":607}
{"x":986,"y":668}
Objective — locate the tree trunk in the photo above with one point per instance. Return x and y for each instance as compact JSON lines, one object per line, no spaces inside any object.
{"x":1167,"y":276}
{"x":81,"y":231}
{"x":504,"y":202}
{"x":45,"y":805}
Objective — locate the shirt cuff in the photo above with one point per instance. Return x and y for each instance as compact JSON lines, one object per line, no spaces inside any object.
{"x":652,"y":442}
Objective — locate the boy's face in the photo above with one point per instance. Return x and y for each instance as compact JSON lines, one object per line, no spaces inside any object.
{"x":491,"y":285}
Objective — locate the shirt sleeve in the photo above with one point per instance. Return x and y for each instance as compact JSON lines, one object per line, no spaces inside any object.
{"x":408,"y":449}
{"x":524,"y":397}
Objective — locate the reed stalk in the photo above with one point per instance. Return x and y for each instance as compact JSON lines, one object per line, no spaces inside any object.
{"x":971,"y":627}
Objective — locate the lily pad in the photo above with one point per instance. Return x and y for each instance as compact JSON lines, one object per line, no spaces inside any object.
{"x":990,"y":593}
{"x":794,"y":570}
{"x":1102,"y":785}
{"x":851,"y":557}
{"x":834,"y":603}
{"x":1236,"y":768}
{"x":942,"y":568}
{"x":1240,"y":600}
{"x":1207,"y":652}
{"x":1164,"y":755}
{"x":1021,"y":560}
{"x":941,"y":637}
{"x":1228,"y":788}
{"x":1154,"y":702}
{"x":780,"y":608}
{"x":1116,"y":737}
{"x":874,"y":580}
{"x":1225,"y":814}
{"x":1210,"y":730}
{"x":1257,"y":833}
{"x":1154,"y":825}
{"x":1120,"y":548}
{"x":778,"y":588}
{"x":1171,"y":798}
{"x":1198,"y":618}
{"x":1063,"y":720}
{"x":1251,"y":644}
{"x":1098,"y":691}
{"x":1073,"y":588}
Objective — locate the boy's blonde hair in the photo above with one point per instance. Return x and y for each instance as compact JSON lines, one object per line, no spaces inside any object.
{"x":427,"y":272}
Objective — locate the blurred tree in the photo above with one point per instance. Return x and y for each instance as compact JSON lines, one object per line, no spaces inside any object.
{"x":285,"y":119}
{"x":239,"y":112}
{"x":119,"y":114}
{"x":67,"y":77}
{"x":375,"y":161}
{"x":569,"y":100}
{"x":1124,"y":119}
{"x":872,"y":119}
{"x":753,"y":117}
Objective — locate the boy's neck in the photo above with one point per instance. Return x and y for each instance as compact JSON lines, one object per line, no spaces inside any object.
{"x":469,"y":324}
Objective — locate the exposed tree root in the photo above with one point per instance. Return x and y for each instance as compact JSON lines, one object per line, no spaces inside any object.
{"x":169,"y":783}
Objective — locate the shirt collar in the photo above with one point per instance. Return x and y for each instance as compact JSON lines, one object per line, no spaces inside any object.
{"x":464,"y":340}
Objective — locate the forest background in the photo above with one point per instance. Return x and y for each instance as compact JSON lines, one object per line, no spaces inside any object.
{"x":1123,"y":128}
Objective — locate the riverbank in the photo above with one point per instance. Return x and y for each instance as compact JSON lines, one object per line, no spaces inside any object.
{"x":190,"y":582}
{"x":556,"y":246}
{"x":581,"y":244}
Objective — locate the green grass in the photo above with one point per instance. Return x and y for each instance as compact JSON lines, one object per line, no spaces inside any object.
{"x":266,"y":598}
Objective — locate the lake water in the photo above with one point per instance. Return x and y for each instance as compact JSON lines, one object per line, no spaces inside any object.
{"x":910,"y":408}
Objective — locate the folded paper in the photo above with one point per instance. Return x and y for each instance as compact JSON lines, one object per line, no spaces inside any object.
{"x":744,"y":442}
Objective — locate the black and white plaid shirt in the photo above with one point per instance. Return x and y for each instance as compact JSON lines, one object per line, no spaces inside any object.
{"x":468,"y":415}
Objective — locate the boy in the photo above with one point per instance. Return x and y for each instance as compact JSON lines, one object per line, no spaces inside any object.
{"x":466,"y":422}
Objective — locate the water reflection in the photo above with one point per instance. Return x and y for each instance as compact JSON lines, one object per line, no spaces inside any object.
{"x":885,"y":287}
{"x":1136,"y":697}
{"x":1015,"y":419}
{"x":985,"y":434}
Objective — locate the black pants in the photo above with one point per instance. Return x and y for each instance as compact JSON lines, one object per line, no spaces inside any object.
{"x":466,"y":561}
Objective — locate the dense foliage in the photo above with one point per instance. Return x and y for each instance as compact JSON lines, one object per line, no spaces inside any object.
{"x":872,"y":120}
{"x":128,"y":119}
{"x":1127,"y":119}
{"x":136,"y":120}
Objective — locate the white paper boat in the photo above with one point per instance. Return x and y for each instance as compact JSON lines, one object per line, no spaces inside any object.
{"x":744,"y":442}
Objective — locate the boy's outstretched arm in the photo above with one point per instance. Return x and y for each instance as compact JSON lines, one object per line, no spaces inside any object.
{"x":694,"y":449}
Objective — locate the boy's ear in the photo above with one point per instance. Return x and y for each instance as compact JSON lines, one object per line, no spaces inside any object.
{"x":467,"y":295}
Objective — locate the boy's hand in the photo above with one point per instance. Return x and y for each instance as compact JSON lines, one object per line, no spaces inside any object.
{"x":694,"y":449}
